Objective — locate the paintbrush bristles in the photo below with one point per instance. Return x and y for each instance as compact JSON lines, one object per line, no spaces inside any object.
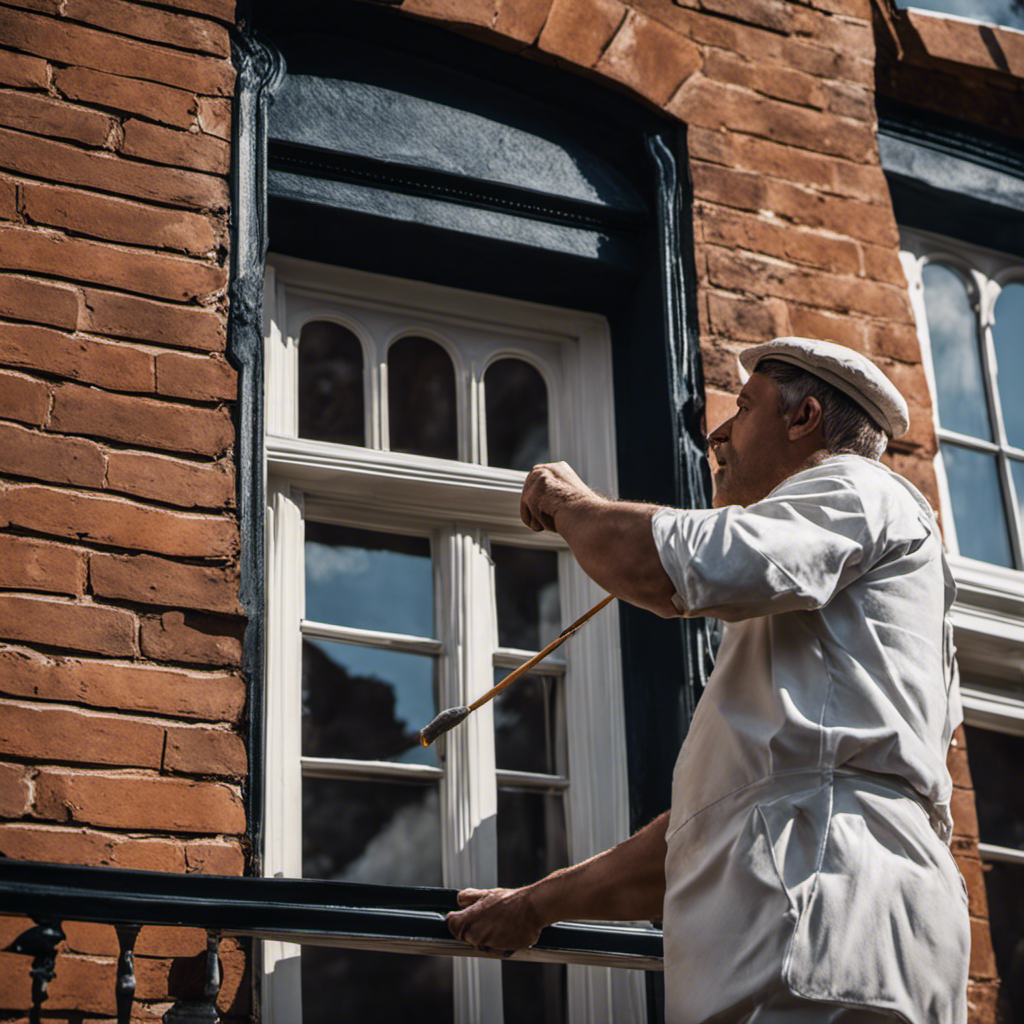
{"x":440,"y":725}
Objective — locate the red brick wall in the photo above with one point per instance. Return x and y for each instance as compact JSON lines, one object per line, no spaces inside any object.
{"x":120,"y":725}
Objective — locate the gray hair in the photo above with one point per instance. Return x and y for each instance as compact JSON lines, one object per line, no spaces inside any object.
{"x":845,"y":426}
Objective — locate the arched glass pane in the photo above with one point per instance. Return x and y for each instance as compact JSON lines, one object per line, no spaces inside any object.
{"x":1008,"y":338}
{"x":516,"y":407}
{"x":977,"y":500}
{"x":331,"y":384}
{"x":421,"y":399}
{"x":956,"y":354}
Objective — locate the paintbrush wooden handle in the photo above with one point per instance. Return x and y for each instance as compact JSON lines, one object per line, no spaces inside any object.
{"x":537,"y":658}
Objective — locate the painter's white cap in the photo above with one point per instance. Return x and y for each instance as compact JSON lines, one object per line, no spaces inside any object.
{"x":853,"y":374}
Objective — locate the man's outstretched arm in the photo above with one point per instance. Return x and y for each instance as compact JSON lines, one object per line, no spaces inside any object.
{"x":625,"y":883}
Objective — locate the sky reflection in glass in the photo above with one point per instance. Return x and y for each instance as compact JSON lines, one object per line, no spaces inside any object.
{"x":977,"y":504}
{"x":1008,"y":340}
{"x":956,"y":355}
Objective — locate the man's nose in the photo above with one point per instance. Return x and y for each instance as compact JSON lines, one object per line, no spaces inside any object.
{"x":720,"y":433}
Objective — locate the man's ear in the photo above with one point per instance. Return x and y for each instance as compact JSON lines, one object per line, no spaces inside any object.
{"x":804,"y":418}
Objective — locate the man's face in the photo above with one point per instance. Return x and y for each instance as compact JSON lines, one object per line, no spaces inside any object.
{"x":749,"y":451}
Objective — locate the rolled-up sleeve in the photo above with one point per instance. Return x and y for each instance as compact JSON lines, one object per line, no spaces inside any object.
{"x":793,"y":551}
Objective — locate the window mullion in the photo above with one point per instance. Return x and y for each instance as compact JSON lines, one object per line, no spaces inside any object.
{"x":1013,"y":513}
{"x":469,"y":795}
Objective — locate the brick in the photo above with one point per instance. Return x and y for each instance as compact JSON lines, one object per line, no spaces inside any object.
{"x":781,"y":83}
{"x":958,"y":41}
{"x":808,"y":322}
{"x":200,"y":378}
{"x":215,"y":857}
{"x":195,"y":639}
{"x":974,"y":878}
{"x":649,"y":58}
{"x":859,"y":181}
{"x":737,"y":271}
{"x":893,"y":341}
{"x":163,"y":276}
{"x":740,"y":189}
{"x":180,"y":149}
{"x":102,"y":51}
{"x":521,"y":20}
{"x":214,"y":116}
{"x":15,"y":792}
{"x":132,"y":19}
{"x":983,"y":1002}
{"x":28,"y":564}
{"x":143,"y":689}
{"x":41,"y":302}
{"x":200,"y":750}
{"x":774,"y":15}
{"x":860,"y":220}
{"x":8,"y":199}
{"x":118,"y":220}
{"x":983,"y":961}
{"x":132,"y":801}
{"x":773,"y":237}
{"x":882,"y":263}
{"x":59,"y":460}
{"x":719,"y":406}
{"x":721,"y":366}
{"x":64,"y":164}
{"x":77,"y":627}
{"x":71,"y":735}
{"x":854,"y":101}
{"x":745,"y":319}
{"x":920,"y":471}
{"x":579,"y":30}
{"x":129,"y":316}
{"x":42,"y":115}
{"x":850,"y":36}
{"x":23,"y":399}
{"x":43,"y":6}
{"x":959,"y":768}
{"x":116,"y":521}
{"x":164,"y":979}
{"x":965,"y":815}
{"x":833,"y":63}
{"x":160,"y":103}
{"x":911,"y":382}
{"x":222,"y":10}
{"x":140,"y":421}
{"x":22,"y":71}
{"x":93,"y":360}
{"x":477,"y":14}
{"x":149,"y":580}
{"x":174,"y":481}
{"x":154,"y":940}
{"x":709,"y":104}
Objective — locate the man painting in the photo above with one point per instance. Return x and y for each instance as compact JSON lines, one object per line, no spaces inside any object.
{"x":803,"y":872}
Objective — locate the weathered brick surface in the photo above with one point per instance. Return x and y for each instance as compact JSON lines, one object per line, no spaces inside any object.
{"x":180,"y":149}
{"x":174,"y":481}
{"x":40,"y":302}
{"x":56,"y":735}
{"x":22,"y":71}
{"x":23,"y":399}
{"x":134,"y":801}
{"x":29,"y":564}
{"x":200,"y":750}
{"x":214,"y":116}
{"x":580,"y":31}
{"x":160,"y":103}
{"x":15,"y":791}
{"x":71,"y":625}
{"x":117,"y":522}
{"x":118,"y":220}
{"x":194,"y":639}
{"x":202,"y":379}
{"x":151,"y":689}
{"x":43,"y":115}
{"x":59,"y":460}
{"x":130,"y":316}
{"x":141,"y":421}
{"x":149,"y":580}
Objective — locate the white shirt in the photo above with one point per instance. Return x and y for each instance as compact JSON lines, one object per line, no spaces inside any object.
{"x":810,"y":801}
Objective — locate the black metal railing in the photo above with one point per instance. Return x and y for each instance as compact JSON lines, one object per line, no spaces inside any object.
{"x":306,"y":911}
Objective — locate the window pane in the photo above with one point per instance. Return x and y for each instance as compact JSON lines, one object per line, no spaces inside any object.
{"x":341,"y":985}
{"x":383,"y":832}
{"x":365,"y":703}
{"x":526,"y":592}
{"x":531,"y":836}
{"x":369,"y":579}
{"x":421,"y":399}
{"x":977,"y":504}
{"x":331,"y":384}
{"x":956,"y":355}
{"x":1017,"y":473}
{"x":534,"y":993}
{"x":516,"y":406}
{"x":529,"y":733}
{"x":1004,"y":886}
{"x":1008,"y":339}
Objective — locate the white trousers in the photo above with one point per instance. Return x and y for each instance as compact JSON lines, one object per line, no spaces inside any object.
{"x":785,"y":1008}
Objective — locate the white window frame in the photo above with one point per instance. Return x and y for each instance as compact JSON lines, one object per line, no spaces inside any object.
{"x":363,"y":485}
{"x":988,"y":614}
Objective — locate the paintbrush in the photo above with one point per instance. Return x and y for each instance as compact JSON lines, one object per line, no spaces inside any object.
{"x":453,"y":716}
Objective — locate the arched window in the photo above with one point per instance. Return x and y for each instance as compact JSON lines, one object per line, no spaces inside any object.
{"x":331,"y":406}
{"x":422,"y":414}
{"x":516,"y":410}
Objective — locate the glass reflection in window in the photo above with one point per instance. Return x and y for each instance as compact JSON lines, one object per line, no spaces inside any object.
{"x":526,"y":593}
{"x":529,"y":725}
{"x":365,"y":703}
{"x":977,"y":501}
{"x":1008,"y":340}
{"x":516,"y":410}
{"x":421,"y":399}
{"x":534,"y":993}
{"x":369,"y":579}
{"x":331,"y":403}
{"x":956,"y":354}
{"x":531,"y":835}
{"x":380,"y":832}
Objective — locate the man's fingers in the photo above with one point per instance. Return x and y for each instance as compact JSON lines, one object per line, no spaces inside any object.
{"x":467,"y":897}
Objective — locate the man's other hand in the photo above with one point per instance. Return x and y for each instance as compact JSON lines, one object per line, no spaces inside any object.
{"x":495,"y":920}
{"x":548,"y":487}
